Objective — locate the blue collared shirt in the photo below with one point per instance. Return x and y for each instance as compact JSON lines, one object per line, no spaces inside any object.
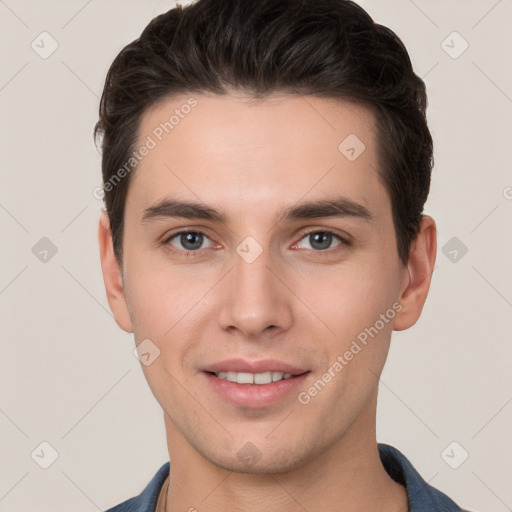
{"x":422,"y":496}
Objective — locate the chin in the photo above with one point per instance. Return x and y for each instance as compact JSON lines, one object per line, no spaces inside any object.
{"x":249,"y":459}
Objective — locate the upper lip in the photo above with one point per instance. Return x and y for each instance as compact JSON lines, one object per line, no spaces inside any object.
{"x":264,"y":365}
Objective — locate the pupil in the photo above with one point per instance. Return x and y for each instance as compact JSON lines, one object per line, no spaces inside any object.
{"x":318,"y":237}
{"x":187,"y":241}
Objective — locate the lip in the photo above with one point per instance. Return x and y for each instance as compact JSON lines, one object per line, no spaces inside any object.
{"x":265,"y":365}
{"x":254,"y":395}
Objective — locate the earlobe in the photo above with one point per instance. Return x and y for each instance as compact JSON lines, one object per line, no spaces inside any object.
{"x":417,"y":275}
{"x":112,"y":276}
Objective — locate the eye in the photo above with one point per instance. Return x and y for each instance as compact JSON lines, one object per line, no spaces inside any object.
{"x":187,"y":241}
{"x":190,"y":243}
{"x":321,"y":240}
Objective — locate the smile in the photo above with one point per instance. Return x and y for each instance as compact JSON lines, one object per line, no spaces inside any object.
{"x":253,"y":378}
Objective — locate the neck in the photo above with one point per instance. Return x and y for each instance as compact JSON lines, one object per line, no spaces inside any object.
{"x":348,"y":475}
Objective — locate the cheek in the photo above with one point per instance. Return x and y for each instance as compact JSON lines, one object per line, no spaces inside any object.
{"x":357,"y":307}
{"x":169,"y":307}
{"x":349,"y":299}
{"x":160,"y":301}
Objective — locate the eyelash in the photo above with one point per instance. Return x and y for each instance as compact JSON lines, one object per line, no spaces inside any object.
{"x":188,"y":254}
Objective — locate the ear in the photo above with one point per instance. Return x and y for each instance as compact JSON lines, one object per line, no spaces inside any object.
{"x":112,"y":276}
{"x":417,"y":275}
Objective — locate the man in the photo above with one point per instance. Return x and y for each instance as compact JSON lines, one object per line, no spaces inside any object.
{"x":265,"y":167}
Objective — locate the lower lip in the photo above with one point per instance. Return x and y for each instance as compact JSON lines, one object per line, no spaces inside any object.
{"x":255,"y":395}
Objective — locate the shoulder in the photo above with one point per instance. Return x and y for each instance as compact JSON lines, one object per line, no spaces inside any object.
{"x":422,"y":496}
{"x":146,"y":501}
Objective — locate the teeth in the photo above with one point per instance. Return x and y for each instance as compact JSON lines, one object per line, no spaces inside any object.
{"x":253,"y":378}
{"x":263,"y":378}
{"x":245,"y":378}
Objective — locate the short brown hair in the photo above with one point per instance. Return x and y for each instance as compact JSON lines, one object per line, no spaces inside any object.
{"x":325,"y":48}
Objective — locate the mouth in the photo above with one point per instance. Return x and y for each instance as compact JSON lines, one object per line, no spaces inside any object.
{"x":239,"y":366}
{"x":254,"y":384}
{"x":254,"y":378}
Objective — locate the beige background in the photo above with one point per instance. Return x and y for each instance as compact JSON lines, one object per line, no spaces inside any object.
{"x":68,"y":374}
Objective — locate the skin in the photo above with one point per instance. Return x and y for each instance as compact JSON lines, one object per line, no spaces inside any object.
{"x":295,"y":302}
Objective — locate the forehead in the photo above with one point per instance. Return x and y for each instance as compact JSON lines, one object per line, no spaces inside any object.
{"x":235,"y":151}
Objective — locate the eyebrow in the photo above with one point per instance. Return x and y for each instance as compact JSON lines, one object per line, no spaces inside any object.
{"x":337,"y":207}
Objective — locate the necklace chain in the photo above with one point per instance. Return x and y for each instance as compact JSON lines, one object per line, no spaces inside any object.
{"x":166,"y":494}
{"x":166,"y":487}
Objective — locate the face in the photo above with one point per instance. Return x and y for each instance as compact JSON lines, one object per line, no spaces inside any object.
{"x":284,"y":263}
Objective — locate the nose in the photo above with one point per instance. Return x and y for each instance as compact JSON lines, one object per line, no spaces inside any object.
{"x":256,"y":298}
